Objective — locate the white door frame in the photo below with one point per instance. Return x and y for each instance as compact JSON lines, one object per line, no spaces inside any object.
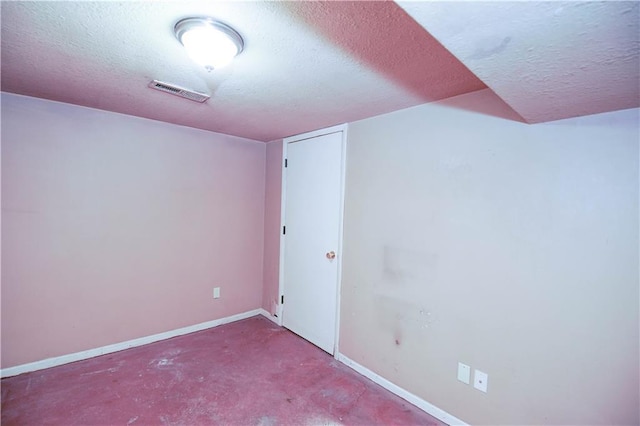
{"x":285,"y":142}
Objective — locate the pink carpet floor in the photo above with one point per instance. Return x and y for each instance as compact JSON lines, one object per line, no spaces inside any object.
{"x":250,"y":372}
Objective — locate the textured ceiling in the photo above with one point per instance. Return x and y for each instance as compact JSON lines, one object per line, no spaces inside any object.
{"x":308,"y":65}
{"x":547,"y":60}
{"x":301,"y":68}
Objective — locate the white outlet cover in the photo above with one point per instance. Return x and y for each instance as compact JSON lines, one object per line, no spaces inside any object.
{"x":216,"y":292}
{"x":464,"y":373}
{"x":480,"y":380}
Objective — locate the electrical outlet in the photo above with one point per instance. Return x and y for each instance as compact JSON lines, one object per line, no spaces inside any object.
{"x":216,"y":292}
{"x":464,"y":373}
{"x":480,"y":380}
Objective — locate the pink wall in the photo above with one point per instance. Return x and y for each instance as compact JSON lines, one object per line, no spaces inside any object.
{"x":116,"y":227}
{"x":273,"y":186}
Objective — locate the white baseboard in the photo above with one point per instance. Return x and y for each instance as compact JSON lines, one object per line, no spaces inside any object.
{"x":265,"y":313}
{"x":116,"y":347}
{"x":78,"y":356}
{"x":402,"y":393}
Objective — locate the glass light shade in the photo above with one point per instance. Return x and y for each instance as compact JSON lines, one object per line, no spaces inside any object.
{"x":209,"y":43}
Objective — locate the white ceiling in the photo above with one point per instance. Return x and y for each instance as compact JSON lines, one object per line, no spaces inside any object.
{"x":547,"y":60}
{"x":308,"y":65}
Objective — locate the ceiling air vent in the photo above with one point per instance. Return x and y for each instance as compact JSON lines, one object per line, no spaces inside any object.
{"x":178,"y":91}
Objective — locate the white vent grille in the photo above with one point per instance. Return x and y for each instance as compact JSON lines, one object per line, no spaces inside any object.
{"x":178,"y":91}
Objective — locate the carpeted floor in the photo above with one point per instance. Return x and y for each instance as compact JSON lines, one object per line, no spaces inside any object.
{"x":250,"y":372}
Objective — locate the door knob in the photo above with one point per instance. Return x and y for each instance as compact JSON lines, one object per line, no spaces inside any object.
{"x":331,"y":255}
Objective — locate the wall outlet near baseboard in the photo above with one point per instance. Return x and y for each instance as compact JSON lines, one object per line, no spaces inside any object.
{"x":480,"y":380}
{"x":464,"y":373}
{"x":216,"y":292}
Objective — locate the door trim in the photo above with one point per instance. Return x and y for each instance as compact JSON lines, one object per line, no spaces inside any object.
{"x":285,"y":142}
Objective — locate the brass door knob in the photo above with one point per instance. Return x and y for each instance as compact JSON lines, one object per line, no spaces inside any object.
{"x":331,"y":255}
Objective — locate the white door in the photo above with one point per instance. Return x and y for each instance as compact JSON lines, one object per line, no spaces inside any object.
{"x":312,"y":218}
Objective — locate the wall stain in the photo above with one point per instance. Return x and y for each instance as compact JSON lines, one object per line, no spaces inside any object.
{"x":398,"y":337}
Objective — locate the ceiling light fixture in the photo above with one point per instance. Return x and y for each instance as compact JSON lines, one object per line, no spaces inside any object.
{"x":209,"y":43}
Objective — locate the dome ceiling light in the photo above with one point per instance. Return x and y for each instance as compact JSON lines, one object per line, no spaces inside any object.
{"x":209,"y":43}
